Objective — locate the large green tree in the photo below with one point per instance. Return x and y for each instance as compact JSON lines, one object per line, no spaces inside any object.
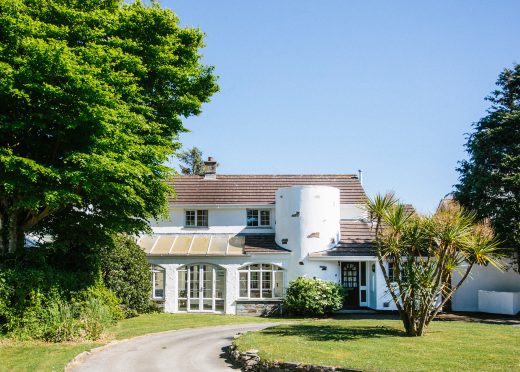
{"x":92,"y":96}
{"x":490,"y":178}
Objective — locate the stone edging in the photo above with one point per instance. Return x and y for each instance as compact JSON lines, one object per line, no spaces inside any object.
{"x":250,"y":361}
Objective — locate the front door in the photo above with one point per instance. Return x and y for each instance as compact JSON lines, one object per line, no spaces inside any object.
{"x":350,"y":282}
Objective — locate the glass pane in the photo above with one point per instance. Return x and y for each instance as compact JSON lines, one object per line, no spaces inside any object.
{"x":255,"y":293}
{"x":265,"y":219}
{"x":254,"y":267}
{"x":207,"y":284}
{"x":252,"y":217}
{"x":220,"y":283}
{"x":363,"y":273}
{"x":207,"y":305}
{"x":183,"y":283}
{"x":194,"y":281}
{"x":194,"y":305}
{"x":159,"y":284}
{"x":202,"y":218}
{"x":219,"y":305}
{"x":183,"y":305}
{"x":243,"y":285}
{"x":255,"y":280}
{"x":190,"y":218}
{"x":363,"y":295}
{"x":267,"y":267}
{"x":266,"y":280}
{"x":278,"y":284}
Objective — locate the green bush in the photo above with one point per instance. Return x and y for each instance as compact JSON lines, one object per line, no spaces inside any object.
{"x":39,"y":304}
{"x":126,"y":272}
{"x":313,"y":297}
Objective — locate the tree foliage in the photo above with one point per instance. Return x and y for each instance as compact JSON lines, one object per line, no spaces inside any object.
{"x":192,"y":162}
{"x":126,"y":273}
{"x":92,"y":96}
{"x":490,"y":178}
{"x":424,"y":251}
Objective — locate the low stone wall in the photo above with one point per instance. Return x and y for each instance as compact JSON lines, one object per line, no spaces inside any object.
{"x":259,"y":308}
{"x":250,"y":361}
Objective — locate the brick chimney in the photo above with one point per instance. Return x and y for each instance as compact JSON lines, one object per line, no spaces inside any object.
{"x":210,"y":169}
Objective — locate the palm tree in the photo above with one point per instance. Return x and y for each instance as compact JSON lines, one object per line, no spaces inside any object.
{"x":424,"y":251}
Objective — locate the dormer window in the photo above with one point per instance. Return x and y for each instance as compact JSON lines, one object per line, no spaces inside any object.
{"x":258,"y":217}
{"x":196,"y":218}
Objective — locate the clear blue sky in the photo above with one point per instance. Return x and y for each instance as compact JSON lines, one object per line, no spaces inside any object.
{"x":333,"y":86}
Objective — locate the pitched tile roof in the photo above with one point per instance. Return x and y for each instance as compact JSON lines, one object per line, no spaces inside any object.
{"x":356,"y":240}
{"x":258,"y":189}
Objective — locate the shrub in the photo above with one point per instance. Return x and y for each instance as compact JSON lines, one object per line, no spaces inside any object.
{"x":313,"y":297}
{"x":126,"y":272}
{"x":39,"y":304}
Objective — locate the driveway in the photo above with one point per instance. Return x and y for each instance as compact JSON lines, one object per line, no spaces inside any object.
{"x":197,"y":349}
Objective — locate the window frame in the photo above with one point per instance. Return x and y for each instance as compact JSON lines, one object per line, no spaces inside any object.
{"x":198,"y":214}
{"x":259,"y":223}
{"x":154,"y":270}
{"x":260,"y":279}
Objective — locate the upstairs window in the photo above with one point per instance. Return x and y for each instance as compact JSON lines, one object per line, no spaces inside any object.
{"x":258,"y":217}
{"x":197,"y":218}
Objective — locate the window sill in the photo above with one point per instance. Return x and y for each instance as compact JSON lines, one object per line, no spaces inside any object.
{"x":195,"y":227}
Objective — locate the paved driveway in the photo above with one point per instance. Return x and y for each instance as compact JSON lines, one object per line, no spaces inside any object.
{"x":197,"y":349}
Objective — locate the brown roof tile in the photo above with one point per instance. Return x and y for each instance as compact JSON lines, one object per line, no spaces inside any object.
{"x":258,"y":189}
{"x":356,"y":240}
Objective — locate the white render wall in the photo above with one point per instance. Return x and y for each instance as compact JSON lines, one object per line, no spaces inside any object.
{"x":487,"y":278}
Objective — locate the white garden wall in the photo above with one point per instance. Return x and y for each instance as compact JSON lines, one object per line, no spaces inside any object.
{"x":486,"y":278}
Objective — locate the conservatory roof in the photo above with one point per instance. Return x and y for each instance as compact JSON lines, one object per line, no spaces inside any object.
{"x":208,"y":245}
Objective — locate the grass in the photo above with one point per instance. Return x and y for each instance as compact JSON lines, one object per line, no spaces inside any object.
{"x":42,"y":356}
{"x":380,"y":345}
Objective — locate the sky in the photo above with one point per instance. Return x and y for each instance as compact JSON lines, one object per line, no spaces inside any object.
{"x":333,"y":86}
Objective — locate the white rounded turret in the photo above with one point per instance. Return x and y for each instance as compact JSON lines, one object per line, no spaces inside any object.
{"x":307,"y":219}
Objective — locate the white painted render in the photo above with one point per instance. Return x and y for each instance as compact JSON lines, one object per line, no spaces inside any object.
{"x":487,"y":278}
{"x":507,"y":303}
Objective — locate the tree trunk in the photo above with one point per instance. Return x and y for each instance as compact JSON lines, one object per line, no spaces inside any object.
{"x":15,"y":233}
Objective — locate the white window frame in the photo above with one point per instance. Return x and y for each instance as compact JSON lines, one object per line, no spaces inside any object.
{"x":154,"y":269}
{"x":259,"y":213}
{"x":275,"y":269}
{"x":214,"y":298}
{"x":196,"y":217}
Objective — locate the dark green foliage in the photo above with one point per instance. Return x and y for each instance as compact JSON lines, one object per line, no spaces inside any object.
{"x":92,"y":96}
{"x":490,"y":178}
{"x":192,"y":160}
{"x":127,"y":273}
{"x":55,"y":305}
{"x":313,"y":297}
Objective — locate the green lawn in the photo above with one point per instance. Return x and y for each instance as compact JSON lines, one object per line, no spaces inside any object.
{"x":380,"y":345}
{"x":41,"y":356}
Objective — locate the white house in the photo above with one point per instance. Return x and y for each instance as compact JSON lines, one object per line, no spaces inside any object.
{"x":232,"y":243}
